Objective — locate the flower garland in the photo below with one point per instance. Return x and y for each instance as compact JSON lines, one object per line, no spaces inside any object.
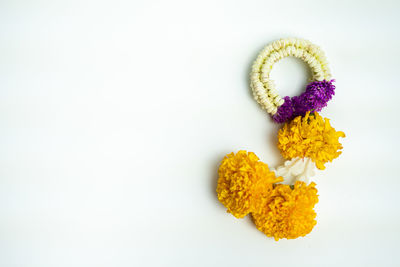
{"x":317,"y":93}
{"x":281,"y":202}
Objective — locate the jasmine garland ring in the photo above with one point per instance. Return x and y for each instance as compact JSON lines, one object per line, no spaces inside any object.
{"x":281,"y":202}
{"x":317,"y":93}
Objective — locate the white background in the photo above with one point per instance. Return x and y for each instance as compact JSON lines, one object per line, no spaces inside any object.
{"x":114,"y":116}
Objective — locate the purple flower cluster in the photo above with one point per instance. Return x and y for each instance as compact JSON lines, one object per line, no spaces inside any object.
{"x":285,"y":111}
{"x":315,"y":98}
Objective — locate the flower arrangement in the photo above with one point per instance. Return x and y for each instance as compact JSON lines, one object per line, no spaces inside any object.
{"x":281,"y":201}
{"x":264,"y":88}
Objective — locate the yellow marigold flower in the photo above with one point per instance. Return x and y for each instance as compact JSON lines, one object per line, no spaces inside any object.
{"x":310,"y":136}
{"x":244,"y":183}
{"x":289,"y":213}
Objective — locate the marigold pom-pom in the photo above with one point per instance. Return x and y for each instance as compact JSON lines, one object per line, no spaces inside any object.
{"x":310,"y":136}
{"x":289,"y":213}
{"x":244,"y":183}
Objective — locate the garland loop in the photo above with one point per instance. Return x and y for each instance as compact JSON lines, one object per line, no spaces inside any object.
{"x":264,"y":92}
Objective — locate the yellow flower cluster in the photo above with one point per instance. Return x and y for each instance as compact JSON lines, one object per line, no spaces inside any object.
{"x":244,"y":183}
{"x":310,"y":136}
{"x":289,"y":212}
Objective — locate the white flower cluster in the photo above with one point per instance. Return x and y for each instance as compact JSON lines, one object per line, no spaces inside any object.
{"x":264,"y":88}
{"x":296,"y":169}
